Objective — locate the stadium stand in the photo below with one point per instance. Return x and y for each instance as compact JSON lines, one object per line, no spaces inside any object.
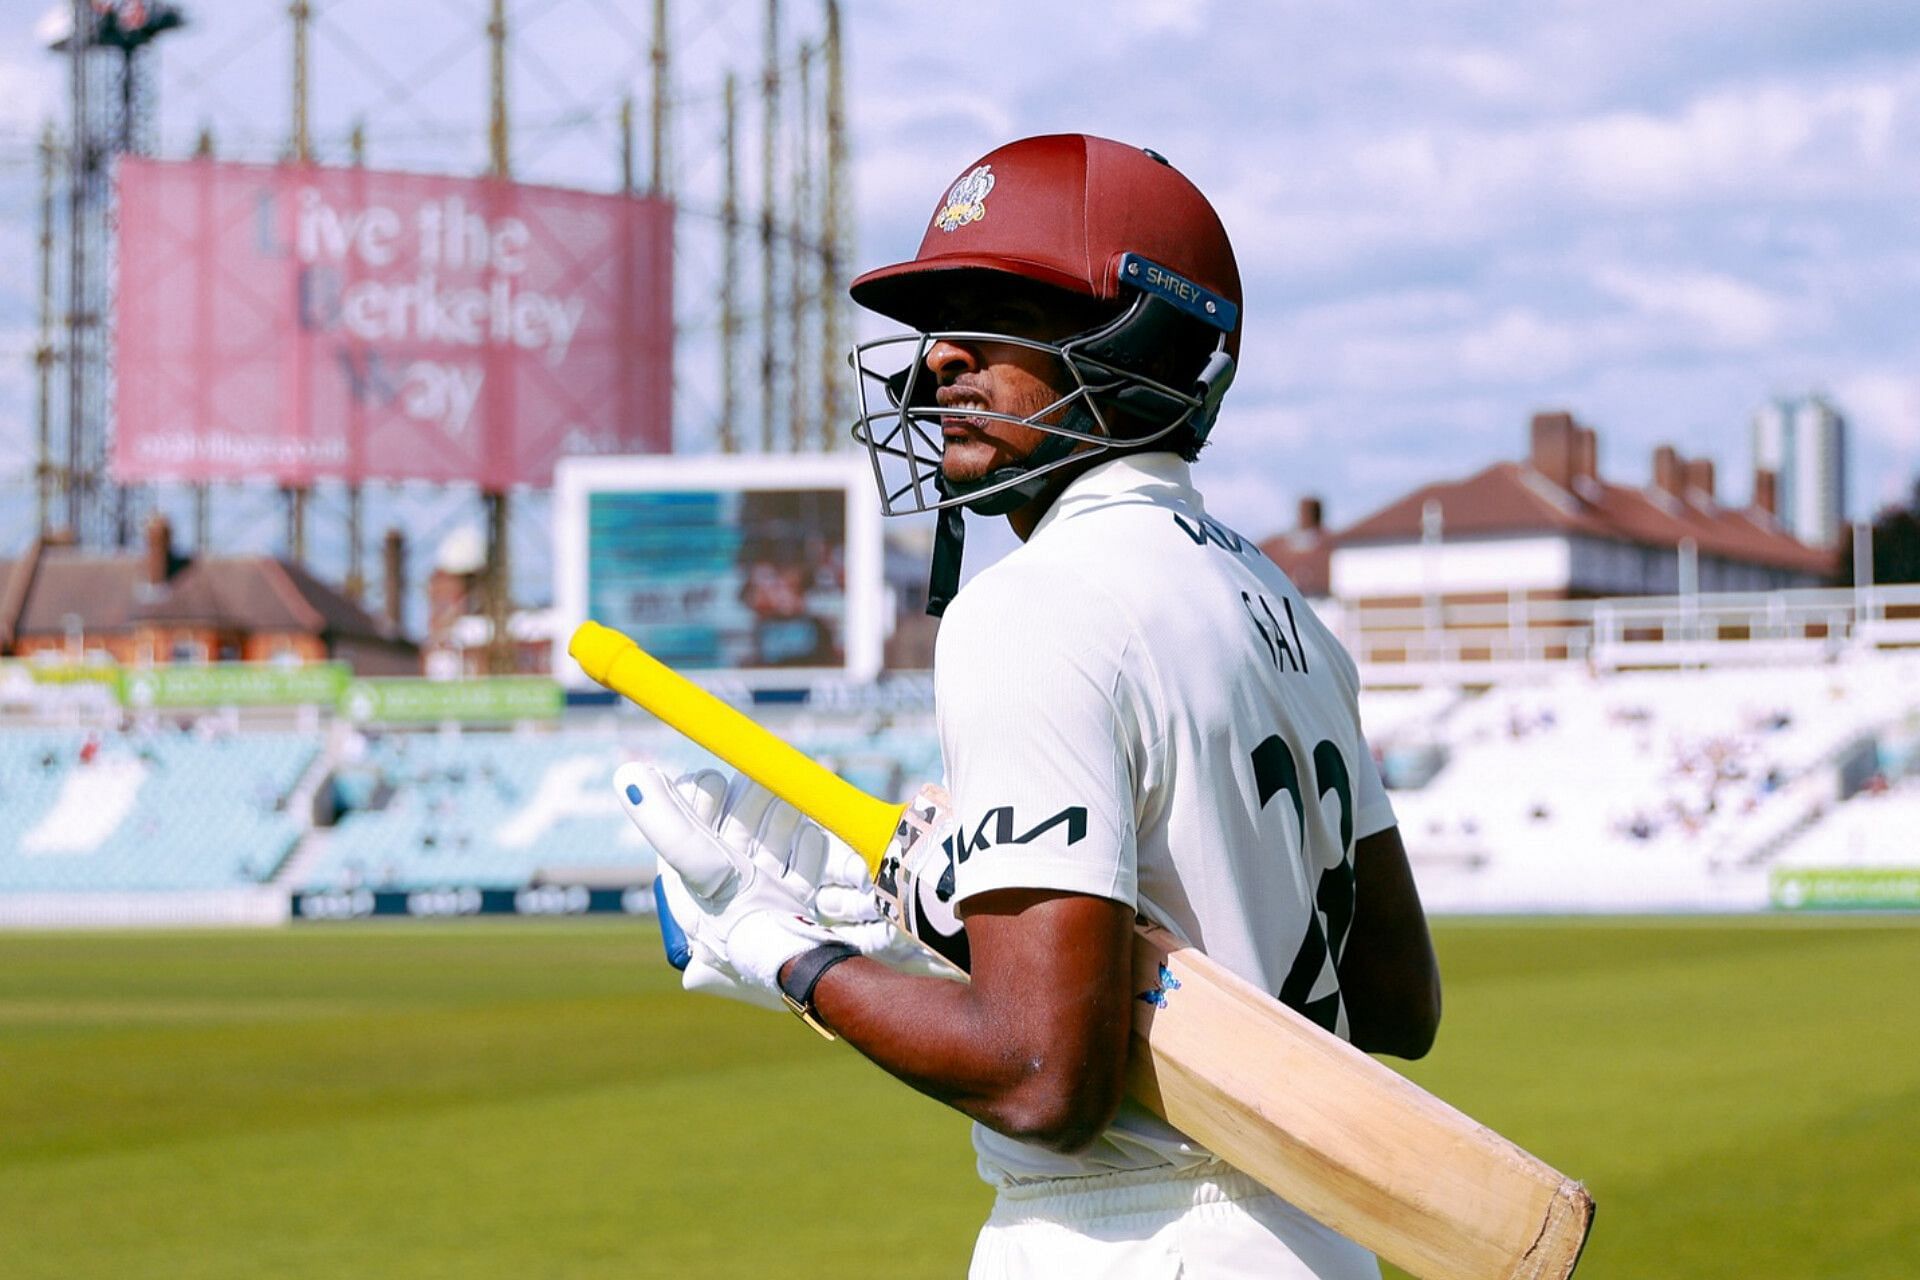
{"x":1644,"y":790}
{"x":161,"y":810}
{"x":501,"y":810}
{"x":1875,"y":826}
{"x":1566,"y":789}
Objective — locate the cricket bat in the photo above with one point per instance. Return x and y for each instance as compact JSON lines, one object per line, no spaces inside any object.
{"x":1325,"y":1127}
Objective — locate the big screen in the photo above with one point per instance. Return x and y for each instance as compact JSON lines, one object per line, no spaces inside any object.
{"x":748,"y":565}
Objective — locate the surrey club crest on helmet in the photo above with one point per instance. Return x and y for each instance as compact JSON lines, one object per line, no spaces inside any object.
{"x":967,"y":202}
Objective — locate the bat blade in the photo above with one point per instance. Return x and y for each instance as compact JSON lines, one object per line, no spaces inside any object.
{"x":1339,"y":1135}
{"x":1325,"y":1127}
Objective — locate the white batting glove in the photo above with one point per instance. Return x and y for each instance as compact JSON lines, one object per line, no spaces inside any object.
{"x":848,"y":902}
{"x":844,"y":895}
{"x":702,"y":970}
{"x":748,"y":863}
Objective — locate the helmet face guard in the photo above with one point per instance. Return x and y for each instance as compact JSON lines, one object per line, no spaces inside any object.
{"x":1106,"y":402}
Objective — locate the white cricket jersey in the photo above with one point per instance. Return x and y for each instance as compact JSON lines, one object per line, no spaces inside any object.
{"x":1137,"y":704}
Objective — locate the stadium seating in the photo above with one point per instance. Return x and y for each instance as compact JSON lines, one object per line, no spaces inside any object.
{"x":142,"y":811}
{"x":495,"y":810}
{"x":1648,"y":790}
{"x":1652,"y":790}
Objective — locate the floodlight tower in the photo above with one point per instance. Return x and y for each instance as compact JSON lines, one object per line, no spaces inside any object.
{"x":501,"y":657}
{"x":112,"y":113}
{"x":128,"y":27}
{"x":836,"y":226}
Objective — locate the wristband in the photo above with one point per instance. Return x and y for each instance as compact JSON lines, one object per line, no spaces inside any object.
{"x":804,"y":974}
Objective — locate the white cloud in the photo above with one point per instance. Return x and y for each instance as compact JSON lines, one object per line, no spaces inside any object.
{"x":1338,"y":197}
{"x":1735,"y":140}
{"x":1885,"y":405}
{"x":1397,"y":308}
{"x":27,"y":90}
{"x":1520,"y":344}
{"x":1262,"y":426}
{"x":1158,"y":17}
{"x":1446,"y":218}
{"x":1487,"y":74}
{"x":1721,"y":310}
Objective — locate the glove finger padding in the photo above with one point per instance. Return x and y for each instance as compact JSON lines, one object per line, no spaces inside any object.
{"x":779,"y":824}
{"x":677,"y":914}
{"x":740,"y":818}
{"x":846,"y":894}
{"x":759,"y":827}
{"x":670,"y":822}
{"x":809,"y":857}
{"x":705,"y":791}
{"x":843,"y":868}
{"x":682,"y":924}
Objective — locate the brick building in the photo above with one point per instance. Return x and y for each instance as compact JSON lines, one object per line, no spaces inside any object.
{"x":1551,"y":527}
{"x":155,"y":607}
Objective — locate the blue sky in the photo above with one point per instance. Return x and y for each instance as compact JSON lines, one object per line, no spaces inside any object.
{"x":1448,"y":215}
{"x":1451,"y":215}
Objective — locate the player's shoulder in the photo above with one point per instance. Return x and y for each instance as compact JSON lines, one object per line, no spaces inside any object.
{"x":1029,"y":595}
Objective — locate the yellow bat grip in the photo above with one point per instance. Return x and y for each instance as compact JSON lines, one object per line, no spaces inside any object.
{"x":866,"y":822}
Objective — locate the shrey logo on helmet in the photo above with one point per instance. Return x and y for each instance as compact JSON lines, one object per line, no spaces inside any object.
{"x":967,"y":202}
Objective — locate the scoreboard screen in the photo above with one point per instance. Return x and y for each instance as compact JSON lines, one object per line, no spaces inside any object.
{"x":744,"y":565}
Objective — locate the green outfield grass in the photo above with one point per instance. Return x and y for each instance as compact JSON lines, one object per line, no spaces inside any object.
{"x":530,"y":1100}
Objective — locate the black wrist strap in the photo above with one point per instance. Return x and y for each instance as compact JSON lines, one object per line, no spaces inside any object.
{"x":804,"y":974}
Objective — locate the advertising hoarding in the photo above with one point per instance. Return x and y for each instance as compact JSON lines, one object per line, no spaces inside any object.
{"x":1846,"y":888}
{"x":297,"y":323}
{"x":764,"y":567}
{"x":234,"y":684}
{"x":457,"y":901}
{"x":476,"y":700}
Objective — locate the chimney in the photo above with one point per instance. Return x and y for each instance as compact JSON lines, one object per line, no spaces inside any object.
{"x":1552,"y":454}
{"x":1311,"y":515}
{"x":1699,"y":476}
{"x":159,"y":558}
{"x":1586,"y":454}
{"x":1765,"y":491}
{"x":394,"y":557}
{"x":1667,"y":467}
{"x":450,"y":597}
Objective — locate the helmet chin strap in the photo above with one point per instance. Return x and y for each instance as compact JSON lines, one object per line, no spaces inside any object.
{"x":950,"y":539}
{"x":949,"y":545}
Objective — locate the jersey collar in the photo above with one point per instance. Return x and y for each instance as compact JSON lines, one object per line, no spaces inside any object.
{"x":1157,"y":472}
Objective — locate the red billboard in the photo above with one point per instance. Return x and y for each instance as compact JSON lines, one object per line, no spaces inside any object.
{"x":295,"y":323}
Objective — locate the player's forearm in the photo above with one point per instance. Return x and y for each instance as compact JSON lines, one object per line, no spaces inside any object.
{"x":971,"y":1050}
{"x":1389,"y":977}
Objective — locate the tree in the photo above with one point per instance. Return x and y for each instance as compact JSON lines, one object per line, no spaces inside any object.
{"x":1896,"y":544}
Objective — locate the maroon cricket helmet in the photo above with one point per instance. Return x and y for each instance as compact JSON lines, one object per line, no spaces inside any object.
{"x":1065,"y":210}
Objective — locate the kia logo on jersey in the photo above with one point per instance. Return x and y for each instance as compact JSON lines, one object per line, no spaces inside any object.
{"x":1000,"y":822}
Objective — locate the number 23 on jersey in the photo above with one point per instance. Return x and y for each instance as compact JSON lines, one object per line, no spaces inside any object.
{"x":1275,"y":770}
